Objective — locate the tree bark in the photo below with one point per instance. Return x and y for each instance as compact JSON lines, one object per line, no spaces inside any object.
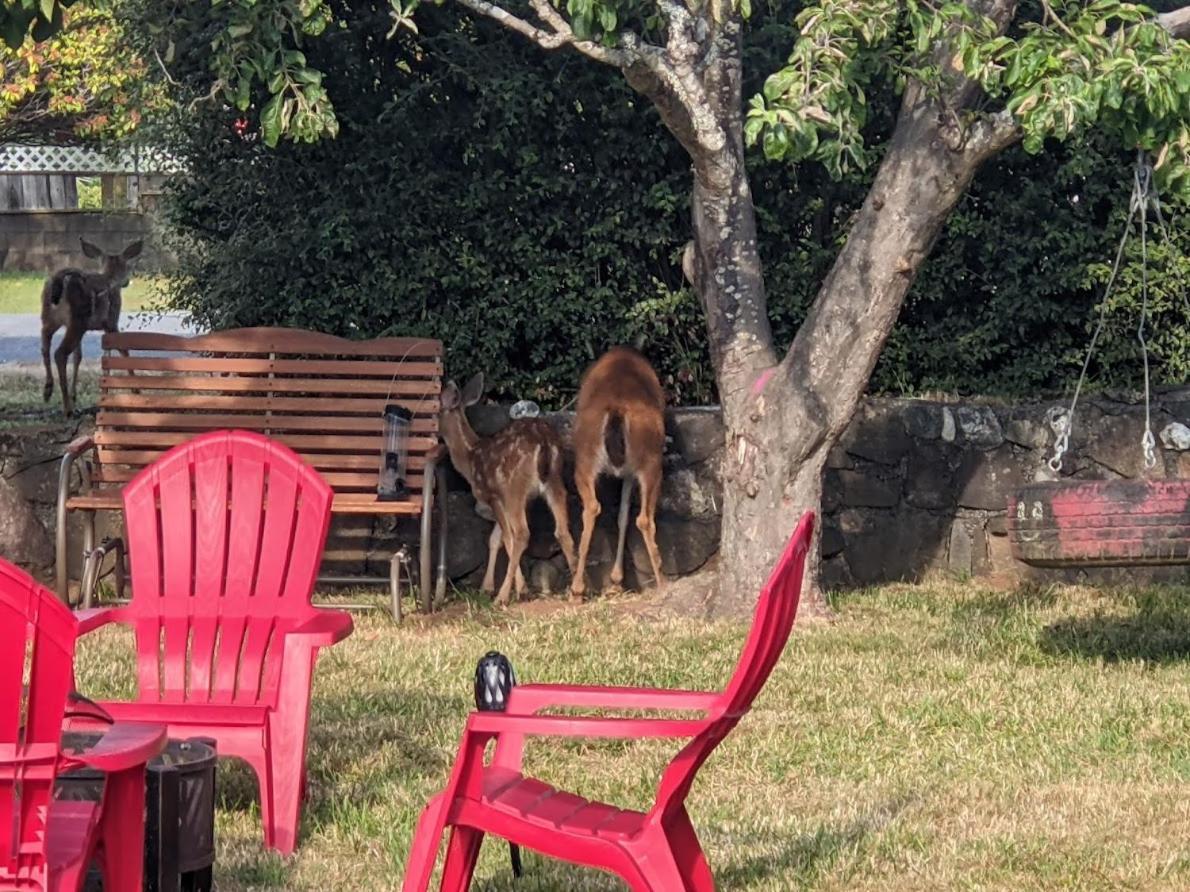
{"x":783,"y":425}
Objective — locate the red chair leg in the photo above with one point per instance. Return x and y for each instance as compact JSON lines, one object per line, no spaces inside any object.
{"x":123,"y":830}
{"x":461,"y":854}
{"x":688,"y":854}
{"x":423,"y":851}
{"x":286,"y":769}
{"x":656,"y":869}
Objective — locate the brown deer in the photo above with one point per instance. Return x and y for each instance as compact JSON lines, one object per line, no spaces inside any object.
{"x":505,"y":471}
{"x":619,"y":429}
{"x":80,"y":302}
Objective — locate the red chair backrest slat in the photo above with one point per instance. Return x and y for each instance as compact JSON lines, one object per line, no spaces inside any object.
{"x":37,"y":635}
{"x":225,"y":536}
{"x":772,"y":623}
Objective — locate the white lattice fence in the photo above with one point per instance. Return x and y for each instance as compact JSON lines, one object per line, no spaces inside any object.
{"x":16,"y":158}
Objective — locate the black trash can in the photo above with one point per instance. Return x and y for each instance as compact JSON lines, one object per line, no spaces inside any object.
{"x":179,"y":812}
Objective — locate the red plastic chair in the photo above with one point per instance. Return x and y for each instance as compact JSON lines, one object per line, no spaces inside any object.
{"x":47,"y":844}
{"x":225,"y":535}
{"x":657,"y":851}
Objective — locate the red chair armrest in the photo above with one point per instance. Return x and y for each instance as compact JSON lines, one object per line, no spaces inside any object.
{"x":530,"y":698}
{"x":124,"y":745}
{"x":95,"y":617}
{"x":325,"y":628}
{"x":497,"y":723}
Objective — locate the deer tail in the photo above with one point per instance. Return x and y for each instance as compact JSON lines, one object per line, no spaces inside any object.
{"x":546,"y":458}
{"x":57,"y":286}
{"x":614,"y":439}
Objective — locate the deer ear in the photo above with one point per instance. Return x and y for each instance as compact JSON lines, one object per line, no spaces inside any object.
{"x":473,"y":390}
{"x":90,"y":250}
{"x":133,"y":250}
{"x":450,"y":396}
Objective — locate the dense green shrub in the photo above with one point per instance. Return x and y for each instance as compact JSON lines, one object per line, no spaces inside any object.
{"x":531,"y":219}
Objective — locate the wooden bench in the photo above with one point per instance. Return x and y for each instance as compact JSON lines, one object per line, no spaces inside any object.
{"x":321,"y":395}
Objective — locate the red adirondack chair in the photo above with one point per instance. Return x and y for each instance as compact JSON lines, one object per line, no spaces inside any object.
{"x":225,"y":535}
{"x":47,"y":844}
{"x":657,"y":851}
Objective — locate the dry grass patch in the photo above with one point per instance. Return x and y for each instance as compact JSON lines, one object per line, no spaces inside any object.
{"x":932,"y":737}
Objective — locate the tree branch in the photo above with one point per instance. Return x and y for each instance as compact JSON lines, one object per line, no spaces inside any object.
{"x":1176,"y":22}
{"x":544,"y":39}
{"x":992,"y":134}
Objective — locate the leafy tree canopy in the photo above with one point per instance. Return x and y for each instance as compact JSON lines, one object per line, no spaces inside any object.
{"x":77,"y":80}
{"x":1057,"y":67}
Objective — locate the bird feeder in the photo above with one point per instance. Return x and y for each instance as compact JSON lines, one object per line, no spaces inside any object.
{"x":394,"y":455}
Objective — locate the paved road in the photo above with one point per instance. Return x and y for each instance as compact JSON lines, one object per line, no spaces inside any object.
{"x":20,"y":335}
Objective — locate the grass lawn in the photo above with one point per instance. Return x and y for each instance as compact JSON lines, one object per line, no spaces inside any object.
{"x":21,"y":293}
{"x":21,"y":389}
{"x":931,"y":737}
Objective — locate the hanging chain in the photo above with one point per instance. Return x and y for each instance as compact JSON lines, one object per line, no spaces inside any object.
{"x":1144,"y":180}
{"x":1064,"y":425}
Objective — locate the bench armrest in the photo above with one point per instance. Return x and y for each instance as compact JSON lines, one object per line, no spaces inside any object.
{"x":77,"y":447}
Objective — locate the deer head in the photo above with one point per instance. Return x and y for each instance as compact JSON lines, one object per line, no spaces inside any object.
{"x":116,"y":267}
{"x":452,"y":421}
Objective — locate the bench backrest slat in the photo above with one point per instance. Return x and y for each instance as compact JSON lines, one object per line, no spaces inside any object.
{"x":320,"y":395}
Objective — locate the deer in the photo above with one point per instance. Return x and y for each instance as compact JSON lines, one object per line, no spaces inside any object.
{"x":80,"y":302}
{"x":505,"y":471}
{"x":619,"y":429}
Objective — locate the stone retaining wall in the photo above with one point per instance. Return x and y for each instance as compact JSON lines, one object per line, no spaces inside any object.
{"x":914,"y":487}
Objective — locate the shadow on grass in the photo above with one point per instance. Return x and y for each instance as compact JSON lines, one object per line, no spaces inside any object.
{"x":802,"y":858}
{"x":1158,"y":632}
{"x":347,"y":765}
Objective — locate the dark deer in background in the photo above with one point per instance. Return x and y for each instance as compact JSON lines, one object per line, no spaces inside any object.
{"x":505,"y":471}
{"x":80,"y":302}
{"x":619,"y":429}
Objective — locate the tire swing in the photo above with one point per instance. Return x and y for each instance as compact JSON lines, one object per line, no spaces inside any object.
{"x":1107,"y":523}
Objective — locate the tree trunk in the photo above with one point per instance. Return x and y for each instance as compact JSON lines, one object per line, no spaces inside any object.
{"x":781,"y":427}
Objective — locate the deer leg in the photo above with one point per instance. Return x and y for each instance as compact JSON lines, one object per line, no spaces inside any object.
{"x":76,"y":357}
{"x":516,"y":540}
{"x":47,"y":336}
{"x":622,"y":531}
{"x":646,"y":522}
{"x":495,"y":541}
{"x":584,"y":480}
{"x":69,"y":341}
{"x":555,"y":497}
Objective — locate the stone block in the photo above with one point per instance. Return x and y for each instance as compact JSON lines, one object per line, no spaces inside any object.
{"x":980,"y":426}
{"x":858,"y":489}
{"x":986,"y":479}
{"x":923,"y":420}
{"x":929,"y":478}
{"x":698,"y":434}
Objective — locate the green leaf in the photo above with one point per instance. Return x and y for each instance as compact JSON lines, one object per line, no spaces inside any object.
{"x":777,"y":85}
{"x":270,"y":121}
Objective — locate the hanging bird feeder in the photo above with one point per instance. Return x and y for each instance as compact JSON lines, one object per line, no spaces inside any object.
{"x":1107,"y":523}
